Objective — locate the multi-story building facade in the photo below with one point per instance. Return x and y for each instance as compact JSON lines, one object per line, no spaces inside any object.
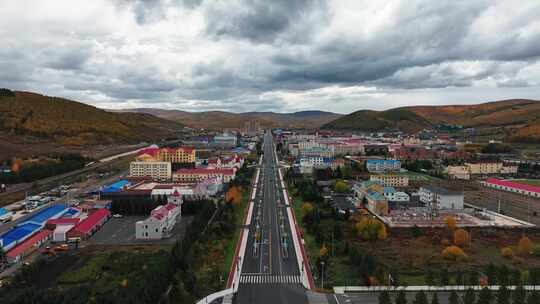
{"x":441,"y":198}
{"x":383,"y":165}
{"x":180,"y":155}
{"x":481,"y":168}
{"x":153,"y":169}
{"x":200,"y":174}
{"x":391,"y":180}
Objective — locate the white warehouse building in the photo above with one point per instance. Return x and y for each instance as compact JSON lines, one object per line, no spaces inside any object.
{"x":442,"y":198}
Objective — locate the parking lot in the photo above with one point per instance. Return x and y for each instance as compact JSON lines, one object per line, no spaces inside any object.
{"x":121,"y":231}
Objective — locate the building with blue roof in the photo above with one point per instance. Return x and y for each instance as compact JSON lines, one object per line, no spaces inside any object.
{"x":17,"y":235}
{"x":42,"y":216}
{"x":116,"y":187}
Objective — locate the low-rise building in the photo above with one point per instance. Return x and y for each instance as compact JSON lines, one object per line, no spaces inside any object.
{"x":28,"y":246}
{"x":391,"y":180}
{"x":441,"y":198}
{"x":153,"y":169}
{"x":458,"y":172}
{"x":481,"y":168}
{"x":88,"y":226}
{"x":510,"y":186}
{"x":395,"y":196}
{"x":372,"y":194}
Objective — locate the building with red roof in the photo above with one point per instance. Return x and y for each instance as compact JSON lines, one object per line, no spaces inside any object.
{"x":85,"y":228}
{"x":162,"y":219}
{"x":510,"y":186}
{"x":17,"y":253}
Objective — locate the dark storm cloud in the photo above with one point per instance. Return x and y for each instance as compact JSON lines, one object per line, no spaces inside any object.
{"x":262,"y":21}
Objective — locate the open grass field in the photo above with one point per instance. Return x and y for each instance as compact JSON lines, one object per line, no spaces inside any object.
{"x":231,"y":243}
{"x":532,"y":182}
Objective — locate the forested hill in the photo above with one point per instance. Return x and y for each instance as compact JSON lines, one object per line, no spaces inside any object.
{"x":74,"y":123}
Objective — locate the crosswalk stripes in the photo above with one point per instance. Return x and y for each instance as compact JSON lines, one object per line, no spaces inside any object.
{"x":270,"y":279}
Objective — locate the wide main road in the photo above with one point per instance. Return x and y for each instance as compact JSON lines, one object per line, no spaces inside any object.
{"x":270,"y":271}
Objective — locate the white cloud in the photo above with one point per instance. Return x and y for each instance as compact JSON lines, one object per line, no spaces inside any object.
{"x":279,"y":55}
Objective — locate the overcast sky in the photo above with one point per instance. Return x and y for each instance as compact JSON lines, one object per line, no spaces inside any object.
{"x":271,"y":55}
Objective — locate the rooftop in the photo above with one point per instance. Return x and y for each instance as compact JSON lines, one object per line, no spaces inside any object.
{"x":515,"y":185}
{"x":88,"y":223}
{"x":440,"y":190}
{"x":27,"y":244}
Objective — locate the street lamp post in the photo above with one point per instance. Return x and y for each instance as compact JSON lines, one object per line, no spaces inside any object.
{"x":322,"y":275}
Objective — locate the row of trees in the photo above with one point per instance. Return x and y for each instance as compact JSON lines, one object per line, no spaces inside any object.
{"x":24,"y":172}
{"x":485,"y":296}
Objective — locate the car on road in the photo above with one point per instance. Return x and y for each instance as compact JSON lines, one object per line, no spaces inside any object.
{"x":117,"y":215}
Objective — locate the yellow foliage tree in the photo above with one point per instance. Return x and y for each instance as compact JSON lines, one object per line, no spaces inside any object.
{"x":16,"y":165}
{"x":382,"y":234}
{"x":525,"y":245}
{"x":461,"y":237}
{"x":307,"y":208}
{"x":323,"y":252}
{"x":371,"y":229}
{"x":454,"y":253}
{"x":234,"y":195}
{"x":451,"y":222}
{"x":507,"y":252}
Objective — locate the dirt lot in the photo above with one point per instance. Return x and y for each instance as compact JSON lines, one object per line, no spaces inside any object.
{"x":412,"y":256}
{"x":514,"y":205}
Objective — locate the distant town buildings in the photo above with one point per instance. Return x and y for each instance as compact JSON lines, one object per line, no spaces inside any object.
{"x":480,"y":168}
{"x":200,"y":174}
{"x":383,"y":165}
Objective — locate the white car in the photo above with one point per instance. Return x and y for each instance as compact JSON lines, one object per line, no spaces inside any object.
{"x":117,"y":215}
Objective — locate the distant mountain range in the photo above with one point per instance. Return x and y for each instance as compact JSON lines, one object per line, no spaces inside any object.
{"x":30,"y":121}
{"x":228,"y":120}
{"x":518,"y":119}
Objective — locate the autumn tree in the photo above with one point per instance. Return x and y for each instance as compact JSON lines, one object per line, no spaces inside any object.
{"x":525,"y":245}
{"x":454,"y":253}
{"x":16,"y":165}
{"x":382,"y":234}
{"x":507,"y":252}
{"x":371,"y":229}
{"x":461,"y":237}
{"x":234,"y":195}
{"x":451,"y":222}
{"x":307,"y":208}
{"x":323,"y":252}
{"x":341,"y":187}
